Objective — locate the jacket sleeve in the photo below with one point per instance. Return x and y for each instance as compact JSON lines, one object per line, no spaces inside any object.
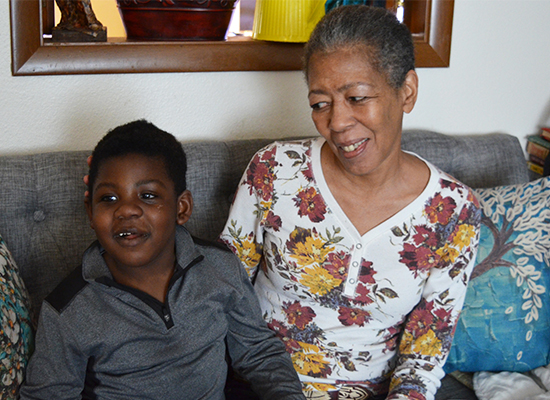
{"x":57,"y":368}
{"x":256,"y":354}
{"x":429,"y":329}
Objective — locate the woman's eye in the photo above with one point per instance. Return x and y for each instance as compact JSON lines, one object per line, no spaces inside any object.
{"x":357,"y":99}
{"x":318,"y":106}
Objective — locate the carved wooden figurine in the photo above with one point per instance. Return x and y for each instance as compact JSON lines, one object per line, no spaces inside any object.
{"x":78,"y":23}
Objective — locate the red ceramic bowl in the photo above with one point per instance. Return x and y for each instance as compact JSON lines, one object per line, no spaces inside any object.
{"x":176,"y":19}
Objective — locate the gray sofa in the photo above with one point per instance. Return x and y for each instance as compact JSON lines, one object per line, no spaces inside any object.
{"x":43,"y":221}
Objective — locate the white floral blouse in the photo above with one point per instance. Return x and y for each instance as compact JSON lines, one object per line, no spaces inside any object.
{"x":372,"y":313}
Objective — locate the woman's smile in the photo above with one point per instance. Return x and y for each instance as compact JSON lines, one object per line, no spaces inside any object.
{"x":353,"y":147}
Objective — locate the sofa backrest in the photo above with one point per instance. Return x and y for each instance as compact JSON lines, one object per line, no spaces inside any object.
{"x":479,"y":161}
{"x":43,"y":221}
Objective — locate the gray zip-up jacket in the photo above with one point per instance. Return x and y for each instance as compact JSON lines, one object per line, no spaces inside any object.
{"x":99,"y":340}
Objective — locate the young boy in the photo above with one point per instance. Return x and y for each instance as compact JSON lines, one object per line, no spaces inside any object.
{"x":151,"y":313}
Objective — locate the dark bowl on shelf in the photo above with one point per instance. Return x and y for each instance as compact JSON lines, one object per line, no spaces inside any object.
{"x":176,"y":19}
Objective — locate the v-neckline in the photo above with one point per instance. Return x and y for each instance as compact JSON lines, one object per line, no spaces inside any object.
{"x":334,"y":206}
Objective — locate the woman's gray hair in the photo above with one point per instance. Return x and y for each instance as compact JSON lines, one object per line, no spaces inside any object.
{"x":387,"y":42}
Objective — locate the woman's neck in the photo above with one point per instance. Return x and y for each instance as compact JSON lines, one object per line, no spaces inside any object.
{"x":370,"y":199}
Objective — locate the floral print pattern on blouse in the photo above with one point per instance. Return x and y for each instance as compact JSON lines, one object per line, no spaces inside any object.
{"x":16,"y":331}
{"x":372,"y":313}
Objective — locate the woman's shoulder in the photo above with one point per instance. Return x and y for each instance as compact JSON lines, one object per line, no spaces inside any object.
{"x":449,"y":186}
{"x":446,"y":180}
{"x":437,"y":175}
{"x":299,"y":145}
{"x":284,"y":155}
{"x":443,"y":184}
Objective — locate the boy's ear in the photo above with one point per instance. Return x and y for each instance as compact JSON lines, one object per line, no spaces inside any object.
{"x":88,"y":205}
{"x":185,"y":207}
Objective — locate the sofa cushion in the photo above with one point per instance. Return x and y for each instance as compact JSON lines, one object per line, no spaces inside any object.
{"x":16,"y":333}
{"x":505,"y":323}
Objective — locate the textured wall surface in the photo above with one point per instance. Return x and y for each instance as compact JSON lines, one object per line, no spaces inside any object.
{"x":497,"y":82}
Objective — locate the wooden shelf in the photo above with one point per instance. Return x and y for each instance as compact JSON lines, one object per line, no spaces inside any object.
{"x":33,"y":55}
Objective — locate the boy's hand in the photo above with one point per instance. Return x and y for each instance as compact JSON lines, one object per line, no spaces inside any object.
{"x":86,"y":178}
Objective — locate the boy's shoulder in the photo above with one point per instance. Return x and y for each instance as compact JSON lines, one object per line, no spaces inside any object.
{"x":67,"y":290}
{"x":217,"y":255}
{"x":209,"y":244}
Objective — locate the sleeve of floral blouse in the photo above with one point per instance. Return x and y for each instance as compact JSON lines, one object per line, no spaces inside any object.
{"x":429,"y":328}
{"x":243,"y":232}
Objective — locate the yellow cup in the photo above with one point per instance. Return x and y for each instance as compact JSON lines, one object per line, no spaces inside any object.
{"x":286,"y":20}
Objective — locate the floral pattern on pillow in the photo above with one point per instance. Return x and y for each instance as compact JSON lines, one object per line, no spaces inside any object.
{"x":505,"y":322}
{"x":16,"y":334}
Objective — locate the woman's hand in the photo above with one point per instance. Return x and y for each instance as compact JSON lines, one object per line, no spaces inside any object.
{"x":86,"y":177}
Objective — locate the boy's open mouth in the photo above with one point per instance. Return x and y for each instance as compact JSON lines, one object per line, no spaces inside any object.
{"x":124,"y":234}
{"x":129,"y":234}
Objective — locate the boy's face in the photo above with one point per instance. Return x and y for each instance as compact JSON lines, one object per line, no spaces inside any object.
{"x":134,"y":212}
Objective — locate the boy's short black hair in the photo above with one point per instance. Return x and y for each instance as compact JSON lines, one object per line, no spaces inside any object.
{"x":144,"y":138}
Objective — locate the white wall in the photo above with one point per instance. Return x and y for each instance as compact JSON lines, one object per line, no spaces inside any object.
{"x":498,"y":81}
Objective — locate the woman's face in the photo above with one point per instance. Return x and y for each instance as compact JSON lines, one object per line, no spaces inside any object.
{"x":356,"y":111}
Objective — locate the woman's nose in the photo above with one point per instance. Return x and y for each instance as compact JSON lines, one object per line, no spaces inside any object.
{"x":341,"y":117}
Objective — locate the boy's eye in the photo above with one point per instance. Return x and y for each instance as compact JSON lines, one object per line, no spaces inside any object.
{"x":108,"y":198}
{"x":148,"y":196}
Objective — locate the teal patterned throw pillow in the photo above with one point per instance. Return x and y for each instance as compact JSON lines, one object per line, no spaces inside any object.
{"x":505,"y":323}
{"x":16,"y":334}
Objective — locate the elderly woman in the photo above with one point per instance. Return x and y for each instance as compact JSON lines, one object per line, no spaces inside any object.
{"x":360,"y":251}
